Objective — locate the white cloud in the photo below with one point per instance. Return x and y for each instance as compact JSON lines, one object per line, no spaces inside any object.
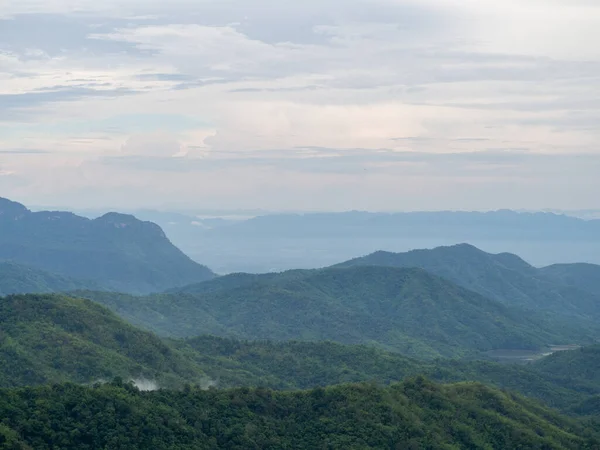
{"x":220,"y":84}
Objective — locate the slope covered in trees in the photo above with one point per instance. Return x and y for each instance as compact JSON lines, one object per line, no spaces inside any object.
{"x":19,"y":279}
{"x":504,"y":277}
{"x":413,"y":414}
{"x":52,"y":338}
{"x":404,"y":310}
{"x":116,"y":251}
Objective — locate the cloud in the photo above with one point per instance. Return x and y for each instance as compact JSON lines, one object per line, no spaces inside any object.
{"x":10,"y":103}
{"x":153,"y":144}
{"x":253,"y":100}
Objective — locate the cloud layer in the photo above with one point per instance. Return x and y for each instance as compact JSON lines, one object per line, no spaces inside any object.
{"x":361,"y":104}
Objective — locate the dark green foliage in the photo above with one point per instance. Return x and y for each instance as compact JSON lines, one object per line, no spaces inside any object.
{"x":578,"y":370}
{"x":295,"y":365}
{"x":19,"y":279}
{"x":404,"y":310}
{"x":301,"y":365}
{"x":116,"y":251}
{"x":415,"y":414}
{"x":582,"y":364}
{"x":50,"y":338}
{"x":503,"y":277}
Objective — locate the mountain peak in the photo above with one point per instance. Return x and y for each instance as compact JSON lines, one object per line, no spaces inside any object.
{"x":10,"y":209}
{"x":116,"y":251}
{"x":125,"y":221}
{"x":463,"y":247}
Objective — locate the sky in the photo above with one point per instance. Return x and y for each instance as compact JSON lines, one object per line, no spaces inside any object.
{"x":301,"y":105}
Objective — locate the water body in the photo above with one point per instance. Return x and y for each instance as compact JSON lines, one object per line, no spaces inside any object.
{"x":527,"y":356}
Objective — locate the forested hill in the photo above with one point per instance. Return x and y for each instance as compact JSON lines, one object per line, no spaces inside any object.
{"x":404,"y":310}
{"x":582,"y":276}
{"x":116,"y":251}
{"x":412,"y":415}
{"x":19,"y":279}
{"x":504,"y":277}
{"x":53,"y":338}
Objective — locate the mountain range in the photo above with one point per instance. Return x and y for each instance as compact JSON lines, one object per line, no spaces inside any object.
{"x":502,"y":224}
{"x":278,"y":242}
{"x":56,"y":338}
{"x":264,"y":360}
{"x":569,"y":289}
{"x":406,"y":310}
{"x":115,"y":251}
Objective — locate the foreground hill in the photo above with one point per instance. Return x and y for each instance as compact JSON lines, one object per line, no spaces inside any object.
{"x":579,"y":367}
{"x":404,"y":310}
{"x":52,"y":338}
{"x":503,"y":277}
{"x":19,"y":279}
{"x":116,"y":251}
{"x":413,"y":414}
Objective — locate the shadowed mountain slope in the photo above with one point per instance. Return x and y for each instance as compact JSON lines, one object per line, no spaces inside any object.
{"x":503,"y":277}
{"x":116,"y":251}
{"x":404,"y":310}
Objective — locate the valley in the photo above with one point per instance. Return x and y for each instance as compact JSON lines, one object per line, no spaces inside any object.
{"x":408,"y":338}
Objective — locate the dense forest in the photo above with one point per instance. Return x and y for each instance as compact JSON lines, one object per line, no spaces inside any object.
{"x":53,"y":338}
{"x":404,"y":310}
{"x":19,"y":279}
{"x":569,"y":289}
{"x":415,"y":414}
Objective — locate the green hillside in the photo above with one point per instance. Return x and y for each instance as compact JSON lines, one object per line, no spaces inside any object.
{"x":575,"y":368}
{"x":414,"y":414}
{"x":52,"y":338}
{"x":582,"y":276}
{"x":19,"y":279}
{"x":302,"y":365}
{"x":116,"y":251}
{"x":295,"y":365}
{"x":503,"y":277}
{"x":404,"y":310}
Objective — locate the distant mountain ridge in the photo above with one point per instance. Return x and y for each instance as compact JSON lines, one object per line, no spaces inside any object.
{"x":117,"y":251}
{"x":499,"y":224}
{"x":504,"y":277}
{"x":278,"y":242}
